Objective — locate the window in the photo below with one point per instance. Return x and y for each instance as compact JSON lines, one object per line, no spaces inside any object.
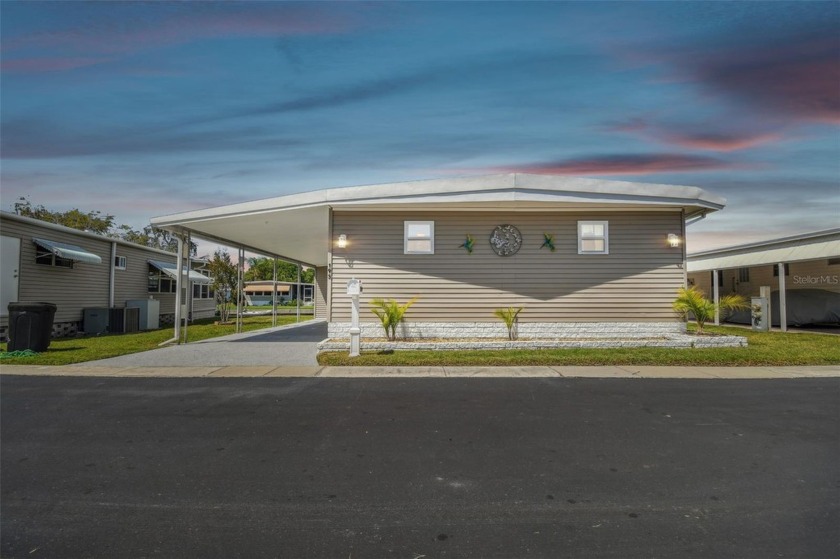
{"x":776,"y":270}
{"x":119,"y":262}
{"x":593,"y":237}
{"x":159,"y":282}
{"x":419,"y":237}
{"x":744,"y":275}
{"x":47,"y":258}
{"x":202,"y":291}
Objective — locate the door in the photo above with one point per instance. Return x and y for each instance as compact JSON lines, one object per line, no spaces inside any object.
{"x":9,"y":272}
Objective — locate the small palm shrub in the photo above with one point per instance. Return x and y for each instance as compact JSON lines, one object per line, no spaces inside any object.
{"x":692,"y":301}
{"x":390,"y":314}
{"x":510,"y":316}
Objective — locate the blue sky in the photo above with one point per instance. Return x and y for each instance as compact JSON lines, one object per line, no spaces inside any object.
{"x":143,"y":109}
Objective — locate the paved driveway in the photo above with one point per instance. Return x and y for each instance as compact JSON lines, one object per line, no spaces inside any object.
{"x":284,"y":346}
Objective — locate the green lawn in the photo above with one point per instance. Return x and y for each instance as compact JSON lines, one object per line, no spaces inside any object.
{"x":87,"y":348}
{"x":765,"y":348}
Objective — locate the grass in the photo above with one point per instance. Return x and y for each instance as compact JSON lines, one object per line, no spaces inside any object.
{"x":66,"y":351}
{"x":765,"y":348}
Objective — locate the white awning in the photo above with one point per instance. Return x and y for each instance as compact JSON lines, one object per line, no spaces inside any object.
{"x":171,"y":270}
{"x":70,"y":252}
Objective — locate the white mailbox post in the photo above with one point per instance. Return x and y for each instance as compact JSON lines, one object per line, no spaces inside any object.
{"x":354,"y":289}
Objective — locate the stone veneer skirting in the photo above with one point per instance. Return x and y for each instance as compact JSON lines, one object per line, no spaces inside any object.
{"x":527,"y":330}
{"x":450,"y":336}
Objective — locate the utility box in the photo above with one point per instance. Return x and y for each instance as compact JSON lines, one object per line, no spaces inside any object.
{"x":149,"y":312}
{"x":95,"y":320}
{"x":760,"y":314}
{"x":124,"y":321}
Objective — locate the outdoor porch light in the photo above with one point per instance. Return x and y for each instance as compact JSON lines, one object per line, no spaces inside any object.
{"x":342,"y":241}
{"x":674,"y":240}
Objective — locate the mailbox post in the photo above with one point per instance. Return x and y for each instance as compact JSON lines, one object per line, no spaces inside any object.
{"x":354,"y":289}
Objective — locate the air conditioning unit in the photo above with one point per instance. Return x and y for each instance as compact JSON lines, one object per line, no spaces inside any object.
{"x":95,"y":320}
{"x":125,"y":320}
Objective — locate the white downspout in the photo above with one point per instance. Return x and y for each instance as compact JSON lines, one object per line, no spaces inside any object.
{"x":782,"y":300}
{"x":112,"y":277}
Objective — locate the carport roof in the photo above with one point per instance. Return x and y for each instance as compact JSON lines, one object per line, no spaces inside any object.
{"x":809,"y":246}
{"x":296,"y":227}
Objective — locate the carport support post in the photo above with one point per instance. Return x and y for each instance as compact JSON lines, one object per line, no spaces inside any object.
{"x":716,"y":291}
{"x":274,"y":294}
{"x":239,"y":276}
{"x":297,"y":295}
{"x":179,"y":281}
{"x":782,"y":300}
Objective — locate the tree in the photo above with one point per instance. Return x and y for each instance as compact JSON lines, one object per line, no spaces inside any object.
{"x":93,"y":222}
{"x":692,"y":301}
{"x":96,"y":222}
{"x":224,"y":274}
{"x":263,"y":269}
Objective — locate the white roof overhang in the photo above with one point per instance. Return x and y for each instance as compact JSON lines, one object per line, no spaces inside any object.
{"x":812,"y":246}
{"x":296,"y":227}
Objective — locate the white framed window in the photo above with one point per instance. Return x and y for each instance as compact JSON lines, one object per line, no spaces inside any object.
{"x":593,"y":237}
{"x":419,"y":237}
{"x":119,"y":262}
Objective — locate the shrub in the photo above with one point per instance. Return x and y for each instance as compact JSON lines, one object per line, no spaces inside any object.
{"x":692,"y":301}
{"x":390,"y":314}
{"x":510,"y":316}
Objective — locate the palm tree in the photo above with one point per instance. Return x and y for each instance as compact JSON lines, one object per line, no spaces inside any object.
{"x":390,"y":313}
{"x":510,"y":316}
{"x":692,"y":301}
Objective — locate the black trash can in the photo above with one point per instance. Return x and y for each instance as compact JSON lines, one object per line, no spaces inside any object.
{"x":30,"y":326}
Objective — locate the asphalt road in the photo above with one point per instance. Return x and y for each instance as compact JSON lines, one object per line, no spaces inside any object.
{"x":411,"y":468}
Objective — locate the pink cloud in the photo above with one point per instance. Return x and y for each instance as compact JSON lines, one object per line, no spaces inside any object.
{"x":629,"y":164}
{"x":671,"y":134}
{"x":172,"y":24}
{"x":36,"y":65}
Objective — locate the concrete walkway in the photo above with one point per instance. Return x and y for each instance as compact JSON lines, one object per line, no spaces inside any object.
{"x":97,"y":369}
{"x":292,"y":345}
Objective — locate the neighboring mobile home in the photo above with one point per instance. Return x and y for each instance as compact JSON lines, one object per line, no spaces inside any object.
{"x":77,"y":270}
{"x":259,"y":292}
{"x":581,"y":256}
{"x":802,"y":271}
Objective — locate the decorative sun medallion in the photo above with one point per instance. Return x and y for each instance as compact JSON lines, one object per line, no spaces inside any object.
{"x":505,"y":240}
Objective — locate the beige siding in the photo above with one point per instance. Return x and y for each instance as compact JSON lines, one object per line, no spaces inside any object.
{"x":813,"y":274}
{"x":133,"y":282}
{"x":321,"y":282}
{"x":637,"y":281}
{"x":85,"y":285}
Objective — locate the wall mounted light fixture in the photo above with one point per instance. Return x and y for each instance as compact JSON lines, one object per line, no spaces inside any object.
{"x":342,"y":241}
{"x":674,"y":240}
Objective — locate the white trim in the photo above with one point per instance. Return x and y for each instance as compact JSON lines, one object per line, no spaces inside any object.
{"x":605,"y":237}
{"x":430,"y":238}
{"x":120,"y":262}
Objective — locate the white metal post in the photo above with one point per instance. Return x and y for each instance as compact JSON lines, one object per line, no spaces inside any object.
{"x":355,"y":331}
{"x":188,"y":294}
{"x":274,"y":294}
{"x":297,"y":293}
{"x":716,"y":291}
{"x":782,"y":299}
{"x":178,"y":282}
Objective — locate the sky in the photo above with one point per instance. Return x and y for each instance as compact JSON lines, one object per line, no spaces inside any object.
{"x":147,"y":109}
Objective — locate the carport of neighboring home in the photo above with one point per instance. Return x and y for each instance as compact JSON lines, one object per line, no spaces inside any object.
{"x":580,"y":256}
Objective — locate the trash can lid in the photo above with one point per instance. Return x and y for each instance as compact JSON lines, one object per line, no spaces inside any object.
{"x":26,"y":306}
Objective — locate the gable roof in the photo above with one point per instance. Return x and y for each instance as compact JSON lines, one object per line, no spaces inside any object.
{"x":296,"y":226}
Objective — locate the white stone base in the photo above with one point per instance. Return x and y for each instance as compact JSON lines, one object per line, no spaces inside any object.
{"x":527,"y":330}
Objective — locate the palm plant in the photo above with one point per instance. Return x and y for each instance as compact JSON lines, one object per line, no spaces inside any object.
{"x":510,"y":316}
{"x":390,"y":314}
{"x":692,"y":301}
